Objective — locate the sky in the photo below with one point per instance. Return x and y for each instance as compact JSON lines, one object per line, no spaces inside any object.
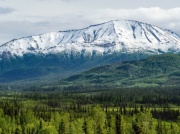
{"x":21,"y":18}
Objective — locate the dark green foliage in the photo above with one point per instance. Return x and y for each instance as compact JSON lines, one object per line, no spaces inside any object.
{"x":137,"y":127}
{"x":159,"y":128}
{"x":40,"y":125}
{"x":61,"y":127}
{"x":85,"y":127}
{"x":119,"y":124}
{"x":18,"y":131}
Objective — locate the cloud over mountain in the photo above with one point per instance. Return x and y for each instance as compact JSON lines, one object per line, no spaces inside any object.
{"x":52,"y":15}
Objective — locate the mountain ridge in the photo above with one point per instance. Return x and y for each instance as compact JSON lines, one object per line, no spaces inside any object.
{"x":108,"y":37}
{"x":73,"y":51}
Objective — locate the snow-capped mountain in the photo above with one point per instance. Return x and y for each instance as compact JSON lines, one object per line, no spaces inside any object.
{"x":106,"y":38}
{"x":66,"y":52}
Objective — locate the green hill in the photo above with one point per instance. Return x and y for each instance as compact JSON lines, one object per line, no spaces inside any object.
{"x":160,"y":70}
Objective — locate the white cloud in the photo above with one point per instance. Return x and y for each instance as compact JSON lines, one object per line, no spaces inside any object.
{"x":147,"y":14}
{"x":16,"y":29}
{"x":165,"y":18}
{"x":26,"y":24}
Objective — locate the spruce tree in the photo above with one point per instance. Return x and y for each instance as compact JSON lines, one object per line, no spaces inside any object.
{"x":85,"y":127}
{"x":61,"y":129}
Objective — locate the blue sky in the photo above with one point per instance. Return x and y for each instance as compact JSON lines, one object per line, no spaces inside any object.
{"x":19,"y":18}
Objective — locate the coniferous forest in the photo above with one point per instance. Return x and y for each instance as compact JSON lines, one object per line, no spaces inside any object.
{"x":87,"y":110}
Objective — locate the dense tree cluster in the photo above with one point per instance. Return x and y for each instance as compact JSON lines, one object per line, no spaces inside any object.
{"x":121,"y":111}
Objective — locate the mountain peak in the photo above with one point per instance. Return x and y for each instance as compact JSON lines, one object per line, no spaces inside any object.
{"x":105,"y":38}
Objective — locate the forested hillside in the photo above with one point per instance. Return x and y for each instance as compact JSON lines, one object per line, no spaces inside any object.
{"x":160,"y":70}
